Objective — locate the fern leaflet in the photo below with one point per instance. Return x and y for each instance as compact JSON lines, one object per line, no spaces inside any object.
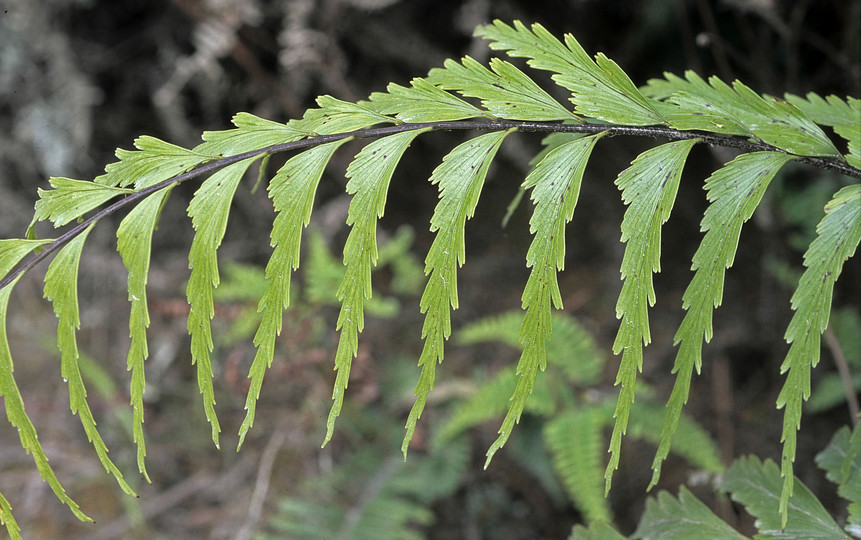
{"x":839,"y":233}
{"x":460,"y":178}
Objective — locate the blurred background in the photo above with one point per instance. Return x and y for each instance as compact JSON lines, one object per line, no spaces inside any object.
{"x":79,"y":78}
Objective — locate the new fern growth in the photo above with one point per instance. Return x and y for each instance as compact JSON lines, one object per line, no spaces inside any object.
{"x":500,"y":100}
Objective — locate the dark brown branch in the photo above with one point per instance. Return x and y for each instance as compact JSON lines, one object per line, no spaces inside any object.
{"x":730,"y":141}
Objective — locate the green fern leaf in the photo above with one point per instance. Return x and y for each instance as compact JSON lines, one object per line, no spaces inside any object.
{"x":460,"y":178}
{"x":757,"y":486}
{"x":649,"y":189}
{"x":574,"y":441}
{"x":839,"y":233}
{"x":734,"y":191}
{"x":336,"y":116}
{"x":737,"y":109}
{"x":423,"y":102}
{"x":71,"y":199}
{"x":843,"y":116}
{"x":251,"y":133}
{"x":61,"y":288}
{"x":842,"y":466}
{"x":11,"y":252}
{"x":506,"y":92}
{"x":692,"y":103}
{"x":208,"y":211}
{"x":134,"y":243}
{"x":155,"y":161}
{"x":600,"y":88}
{"x":292,"y":191}
{"x":369,"y":174}
{"x":8,"y":520}
{"x":682,"y":518}
{"x":555,"y":184}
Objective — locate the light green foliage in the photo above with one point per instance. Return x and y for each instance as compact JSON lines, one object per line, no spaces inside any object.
{"x":691,"y":103}
{"x":208,"y":211}
{"x":460,"y":178}
{"x":649,"y":189}
{"x":70,"y":199}
{"x":758,"y":486}
{"x":154,"y":162}
{"x":839,"y":233}
{"x":292,"y":191}
{"x":506,"y":91}
{"x":61,"y":288}
{"x":733,"y":193}
{"x":600,"y":88}
{"x":555,"y":184}
{"x":500,"y":99}
{"x":843,"y":116}
{"x":369,"y":174}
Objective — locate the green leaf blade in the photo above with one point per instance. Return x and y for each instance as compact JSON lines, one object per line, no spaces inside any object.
{"x":292,"y":190}
{"x":208,"y":209}
{"x":71,"y":199}
{"x":506,"y":92}
{"x":153,"y":162}
{"x":370,"y":174}
{"x":134,"y":244}
{"x":555,"y":184}
{"x":757,"y":486}
{"x":459,"y":194}
{"x":734,"y":191}
{"x":649,"y":188}
{"x":682,"y":518}
{"x":423,"y":102}
{"x":838,"y":236}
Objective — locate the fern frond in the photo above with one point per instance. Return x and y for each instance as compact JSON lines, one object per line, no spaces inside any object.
{"x":61,"y":288}
{"x":734,"y":191}
{"x":460,"y":178}
{"x":251,"y":133}
{"x":11,"y":252}
{"x":738,"y":110}
{"x":369,"y":174}
{"x":506,"y":92}
{"x":134,"y":243}
{"x":70,"y":199}
{"x":423,"y":102}
{"x":208,"y":211}
{"x":600,"y":88}
{"x":839,"y":233}
{"x":843,"y":116}
{"x":292,"y":191}
{"x":682,"y":517}
{"x":555,"y":184}
{"x":757,"y":486}
{"x":841,"y":462}
{"x":649,"y":189}
{"x":574,"y":441}
{"x":8,"y":520}
{"x":154,"y":161}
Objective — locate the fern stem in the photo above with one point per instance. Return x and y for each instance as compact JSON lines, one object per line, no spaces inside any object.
{"x":730,"y":141}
